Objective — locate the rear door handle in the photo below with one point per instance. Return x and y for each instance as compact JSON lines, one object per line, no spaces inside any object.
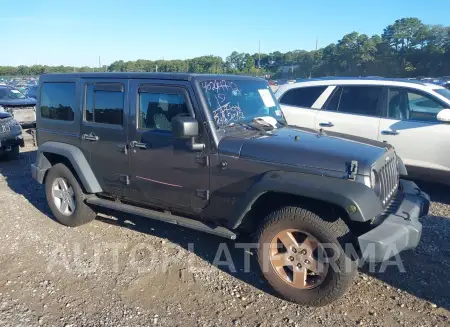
{"x":389,"y":132}
{"x":136,"y":144}
{"x":90,"y":137}
{"x":328,"y":124}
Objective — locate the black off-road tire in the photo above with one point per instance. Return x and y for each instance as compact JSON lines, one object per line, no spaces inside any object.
{"x":83,"y":213}
{"x":334,"y":232}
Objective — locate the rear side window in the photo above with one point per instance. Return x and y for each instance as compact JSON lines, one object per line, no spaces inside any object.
{"x":302,"y":96}
{"x":58,"y":101}
{"x":361,"y":100}
{"x":104,"y":103}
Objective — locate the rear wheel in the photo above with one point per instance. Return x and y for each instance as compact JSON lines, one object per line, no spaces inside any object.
{"x":302,"y":256}
{"x":65,"y":197}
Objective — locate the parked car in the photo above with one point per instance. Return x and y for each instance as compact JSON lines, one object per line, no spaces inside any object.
{"x":213,"y":153}
{"x":412,"y":116}
{"x":22,"y":108}
{"x":11,"y":137}
{"x":31,"y":91}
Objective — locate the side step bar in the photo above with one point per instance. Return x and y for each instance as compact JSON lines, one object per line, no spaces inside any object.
{"x":161,"y":216}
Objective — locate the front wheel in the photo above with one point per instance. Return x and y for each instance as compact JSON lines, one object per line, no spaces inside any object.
{"x":65,"y":197}
{"x":302,"y":256}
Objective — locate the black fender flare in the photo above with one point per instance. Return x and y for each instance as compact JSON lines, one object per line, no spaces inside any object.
{"x":340,"y":192}
{"x":76,"y":158}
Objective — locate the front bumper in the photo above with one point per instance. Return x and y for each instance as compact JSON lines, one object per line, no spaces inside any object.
{"x":400,"y":230}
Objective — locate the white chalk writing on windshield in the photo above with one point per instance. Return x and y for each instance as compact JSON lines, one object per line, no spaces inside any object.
{"x":219,"y":86}
{"x":224,"y":112}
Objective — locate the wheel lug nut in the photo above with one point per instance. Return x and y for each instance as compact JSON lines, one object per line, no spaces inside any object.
{"x":303,"y":252}
{"x":294,"y":250}
{"x":291,"y":258}
{"x":307,"y":262}
{"x":299,"y":266}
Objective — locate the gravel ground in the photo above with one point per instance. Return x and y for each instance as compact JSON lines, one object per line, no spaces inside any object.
{"x":129,"y":271}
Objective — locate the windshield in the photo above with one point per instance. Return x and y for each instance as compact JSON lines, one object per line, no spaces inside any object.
{"x":443,"y":92}
{"x":240,"y":101}
{"x":8,"y":94}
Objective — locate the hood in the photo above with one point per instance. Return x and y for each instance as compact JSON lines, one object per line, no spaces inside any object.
{"x":307,"y":148}
{"x":18,"y":102}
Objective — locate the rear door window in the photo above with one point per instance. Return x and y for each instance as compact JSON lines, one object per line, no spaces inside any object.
{"x":302,"y":96}
{"x":333,"y":102}
{"x":360,"y":100}
{"x":105,"y":103}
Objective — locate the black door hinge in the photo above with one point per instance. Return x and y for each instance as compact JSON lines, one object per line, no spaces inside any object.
{"x":202,"y":159}
{"x":125,"y":179}
{"x":203,"y":194}
{"x":353,"y":170}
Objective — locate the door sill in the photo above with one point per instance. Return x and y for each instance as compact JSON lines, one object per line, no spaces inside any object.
{"x":163,"y":216}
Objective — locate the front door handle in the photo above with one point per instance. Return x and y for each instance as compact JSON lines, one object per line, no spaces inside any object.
{"x":389,"y":132}
{"x":139,"y":145}
{"x":326,"y":124}
{"x":90,"y":137}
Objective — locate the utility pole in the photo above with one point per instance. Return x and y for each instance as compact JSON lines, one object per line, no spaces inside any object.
{"x":317,"y":42}
{"x":259,"y":54}
{"x":156,"y":69}
{"x":99,"y":63}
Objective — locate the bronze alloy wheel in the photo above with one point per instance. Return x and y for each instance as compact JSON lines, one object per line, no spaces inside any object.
{"x":297,"y":258}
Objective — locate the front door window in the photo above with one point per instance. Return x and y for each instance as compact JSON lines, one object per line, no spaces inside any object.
{"x":412,"y":105}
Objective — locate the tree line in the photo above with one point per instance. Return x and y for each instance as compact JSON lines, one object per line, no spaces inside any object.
{"x":406,"y":48}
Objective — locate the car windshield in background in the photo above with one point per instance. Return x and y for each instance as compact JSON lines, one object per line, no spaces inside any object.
{"x":10,"y":94}
{"x":240,"y":101}
{"x":443,"y":92}
{"x":31,"y":91}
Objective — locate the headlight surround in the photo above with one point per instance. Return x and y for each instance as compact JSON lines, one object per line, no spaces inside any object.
{"x":375,"y":181}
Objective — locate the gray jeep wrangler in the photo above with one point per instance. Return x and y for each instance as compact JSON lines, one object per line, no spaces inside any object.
{"x":213,"y":153}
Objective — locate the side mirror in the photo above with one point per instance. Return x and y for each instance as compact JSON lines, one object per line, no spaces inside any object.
{"x":444,"y":115}
{"x":184,"y":127}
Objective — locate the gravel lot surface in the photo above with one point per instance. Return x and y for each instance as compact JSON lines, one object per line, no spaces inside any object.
{"x":129,"y":271}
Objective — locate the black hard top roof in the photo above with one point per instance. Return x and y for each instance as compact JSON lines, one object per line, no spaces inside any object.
{"x":160,"y":76}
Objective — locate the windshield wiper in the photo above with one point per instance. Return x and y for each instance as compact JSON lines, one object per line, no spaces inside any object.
{"x":248,"y":126}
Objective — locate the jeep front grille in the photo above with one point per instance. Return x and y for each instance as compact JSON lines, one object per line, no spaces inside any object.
{"x":389,"y":178}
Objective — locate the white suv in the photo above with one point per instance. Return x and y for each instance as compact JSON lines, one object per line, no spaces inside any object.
{"x":412,"y":116}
